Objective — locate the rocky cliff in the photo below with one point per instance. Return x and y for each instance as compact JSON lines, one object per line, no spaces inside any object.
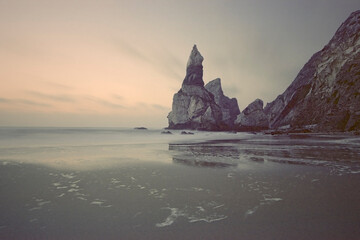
{"x":193,"y":106}
{"x":229,"y":107}
{"x":326,"y":92}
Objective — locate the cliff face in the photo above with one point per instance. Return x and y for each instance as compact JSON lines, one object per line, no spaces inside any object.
{"x":326,"y":92}
{"x":193,"y":106}
{"x":229,"y":107}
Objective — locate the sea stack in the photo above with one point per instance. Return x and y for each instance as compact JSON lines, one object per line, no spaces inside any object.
{"x":193,"y":106}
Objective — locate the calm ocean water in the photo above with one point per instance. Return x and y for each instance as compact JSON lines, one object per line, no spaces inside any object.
{"x":113,"y":183}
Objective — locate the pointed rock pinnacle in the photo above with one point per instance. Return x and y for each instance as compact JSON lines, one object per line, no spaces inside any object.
{"x":195,"y":58}
{"x":194,"y":69}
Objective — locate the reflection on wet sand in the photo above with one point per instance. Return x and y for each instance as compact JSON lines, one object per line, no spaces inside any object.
{"x":341,"y":154}
{"x":201,"y":163}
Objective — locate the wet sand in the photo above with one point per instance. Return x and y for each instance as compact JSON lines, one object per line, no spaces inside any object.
{"x":259,"y":187}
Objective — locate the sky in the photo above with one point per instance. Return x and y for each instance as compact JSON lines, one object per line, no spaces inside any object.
{"x":118,"y":63}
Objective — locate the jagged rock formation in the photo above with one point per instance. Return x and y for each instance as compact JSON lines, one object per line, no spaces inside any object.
{"x":326,"y":92}
{"x":253,"y":118}
{"x":229,"y":107}
{"x":193,"y":106}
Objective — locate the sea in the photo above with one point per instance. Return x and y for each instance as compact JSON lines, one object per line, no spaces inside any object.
{"x":123,"y":183}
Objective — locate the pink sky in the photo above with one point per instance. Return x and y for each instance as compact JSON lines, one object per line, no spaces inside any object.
{"x":118,"y":63}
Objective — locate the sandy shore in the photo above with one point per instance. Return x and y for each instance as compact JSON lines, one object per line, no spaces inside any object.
{"x":297,"y":186}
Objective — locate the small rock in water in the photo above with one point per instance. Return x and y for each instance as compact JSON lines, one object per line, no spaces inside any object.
{"x":232,"y":132}
{"x":140,"y":128}
{"x":187,"y":133}
{"x":166,"y":132}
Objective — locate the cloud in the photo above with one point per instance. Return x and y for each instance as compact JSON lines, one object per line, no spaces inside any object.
{"x":151,"y":107}
{"x":160,"y":107}
{"x":105,"y":103}
{"x":23,"y":102}
{"x":163,"y":60}
{"x":57,"y":85}
{"x":132,"y":51}
{"x":118,"y":97}
{"x":58,"y":98}
{"x":171,"y":65}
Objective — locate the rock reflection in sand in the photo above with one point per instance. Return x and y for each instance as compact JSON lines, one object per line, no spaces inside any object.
{"x":339,"y":154}
{"x":202,"y":163}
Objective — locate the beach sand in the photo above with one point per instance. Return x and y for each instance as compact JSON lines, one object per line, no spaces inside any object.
{"x":253,"y":187}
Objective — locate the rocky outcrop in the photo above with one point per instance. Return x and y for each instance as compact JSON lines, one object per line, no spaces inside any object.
{"x":326,"y":92}
{"x":253,"y":118}
{"x":229,"y":107}
{"x":193,"y":106}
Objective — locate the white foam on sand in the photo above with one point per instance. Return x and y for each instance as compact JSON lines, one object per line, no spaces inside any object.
{"x":40,"y":204}
{"x":73,"y":190}
{"x":153,"y":191}
{"x":115,"y":181}
{"x":100,"y":203}
{"x":268,"y":200}
{"x":219,"y":206}
{"x":68,"y":176}
{"x":197,"y":214}
{"x":33,"y":220}
{"x":209,"y":219}
{"x":81,"y":194}
{"x":230,"y":175}
{"x":137,"y":214}
{"x":201,"y":209}
{"x":273,"y":199}
{"x":251,"y":211}
{"x":174,"y":214}
{"x":34,"y":208}
{"x":157,"y":193}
